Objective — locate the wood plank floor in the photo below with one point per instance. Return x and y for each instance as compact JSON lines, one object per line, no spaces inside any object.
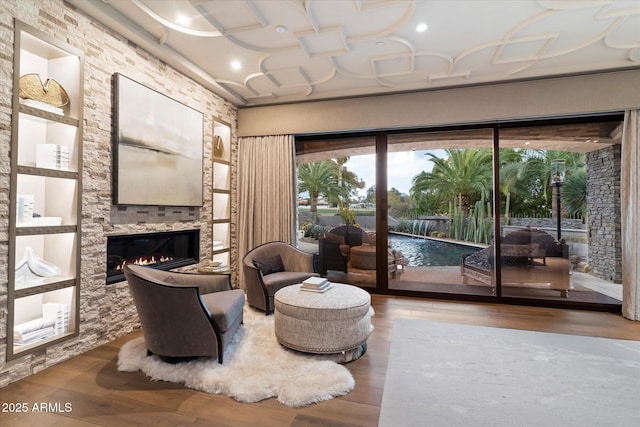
{"x":99,"y":395}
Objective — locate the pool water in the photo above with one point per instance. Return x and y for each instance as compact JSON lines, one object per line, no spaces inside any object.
{"x":426,"y":252}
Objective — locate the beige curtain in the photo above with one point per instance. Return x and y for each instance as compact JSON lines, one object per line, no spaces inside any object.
{"x":266,"y":192}
{"x":630,"y":183}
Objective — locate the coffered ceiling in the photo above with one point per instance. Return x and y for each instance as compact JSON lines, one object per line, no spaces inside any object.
{"x":257,"y":52}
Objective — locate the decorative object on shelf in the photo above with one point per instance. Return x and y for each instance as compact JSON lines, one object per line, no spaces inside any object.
{"x":218,"y":146}
{"x":157,"y":141}
{"x":54,"y":321}
{"x":52,"y":156}
{"x":33,"y":330}
{"x":50,"y":92}
{"x":24,"y":209}
{"x":31,"y":268}
{"x":45,"y":221}
{"x":59,"y":313}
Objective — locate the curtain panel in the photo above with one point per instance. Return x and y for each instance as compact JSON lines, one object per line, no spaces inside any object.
{"x":266,"y":192}
{"x":630,"y":184}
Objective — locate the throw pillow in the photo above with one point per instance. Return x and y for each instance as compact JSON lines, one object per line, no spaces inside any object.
{"x":268,"y":265}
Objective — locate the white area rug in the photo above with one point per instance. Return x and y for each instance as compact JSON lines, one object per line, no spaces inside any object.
{"x":255,"y":367}
{"x":443,"y":374}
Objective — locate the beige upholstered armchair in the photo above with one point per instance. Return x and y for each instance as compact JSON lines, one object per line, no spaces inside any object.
{"x":272,"y":266}
{"x":184,"y":316}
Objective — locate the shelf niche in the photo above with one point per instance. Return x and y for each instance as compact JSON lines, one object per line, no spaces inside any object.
{"x":221,"y":148}
{"x":45,"y":194}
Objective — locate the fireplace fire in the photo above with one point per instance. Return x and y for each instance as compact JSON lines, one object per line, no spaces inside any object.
{"x":164,"y":250}
{"x":144,"y":261}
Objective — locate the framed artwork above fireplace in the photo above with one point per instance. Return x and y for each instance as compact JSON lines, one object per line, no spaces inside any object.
{"x":157,"y":148}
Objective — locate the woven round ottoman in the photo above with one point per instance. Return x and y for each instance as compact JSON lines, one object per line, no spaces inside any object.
{"x":336,"y":321}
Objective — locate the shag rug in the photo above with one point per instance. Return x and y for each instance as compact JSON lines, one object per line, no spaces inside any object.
{"x":256,"y":367}
{"x":443,"y":374}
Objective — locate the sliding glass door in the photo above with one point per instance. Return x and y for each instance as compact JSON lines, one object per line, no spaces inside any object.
{"x":337,"y":207}
{"x":440,"y":204}
{"x":560,"y":213}
{"x":507,"y":212}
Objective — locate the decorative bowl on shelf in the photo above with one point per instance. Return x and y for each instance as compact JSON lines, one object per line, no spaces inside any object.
{"x":218,"y":146}
{"x":50,"y":92}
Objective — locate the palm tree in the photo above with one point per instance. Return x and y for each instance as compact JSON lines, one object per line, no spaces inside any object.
{"x":574,"y":193}
{"x":348,"y":182}
{"x":318,"y":178}
{"x":340,"y":161}
{"x":536,"y":170}
{"x":538,"y":165}
{"x":509,"y":176}
{"x":465,"y":174}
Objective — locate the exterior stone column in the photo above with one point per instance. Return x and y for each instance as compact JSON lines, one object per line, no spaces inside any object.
{"x":604,"y":213}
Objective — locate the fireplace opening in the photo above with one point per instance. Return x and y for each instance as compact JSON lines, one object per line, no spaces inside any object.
{"x":163,"y":250}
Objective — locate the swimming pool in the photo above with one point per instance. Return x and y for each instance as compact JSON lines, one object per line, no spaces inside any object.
{"x":427,"y":252}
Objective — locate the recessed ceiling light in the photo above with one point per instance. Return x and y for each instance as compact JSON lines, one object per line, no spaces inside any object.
{"x":421,"y":28}
{"x":183,"y":20}
{"x":281,"y":29}
{"x":236,"y":65}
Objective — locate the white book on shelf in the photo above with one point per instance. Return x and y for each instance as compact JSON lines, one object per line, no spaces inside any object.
{"x":24,"y":209}
{"x":24,"y":339}
{"x":42,"y":221}
{"x":52,"y":156}
{"x":31,"y":326}
{"x":59,"y":313}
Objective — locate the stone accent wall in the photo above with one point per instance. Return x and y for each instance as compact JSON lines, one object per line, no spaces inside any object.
{"x":604,"y":213}
{"x":567,"y":223}
{"x":106,"y":312}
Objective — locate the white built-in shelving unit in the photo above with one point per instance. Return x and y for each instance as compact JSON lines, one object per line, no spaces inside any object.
{"x":221,"y":191}
{"x":45,"y":192}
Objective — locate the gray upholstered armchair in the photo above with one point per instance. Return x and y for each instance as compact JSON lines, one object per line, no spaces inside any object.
{"x":272,"y":266}
{"x":184,"y":316}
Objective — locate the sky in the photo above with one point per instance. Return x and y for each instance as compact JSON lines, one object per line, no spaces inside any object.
{"x":401,"y":168}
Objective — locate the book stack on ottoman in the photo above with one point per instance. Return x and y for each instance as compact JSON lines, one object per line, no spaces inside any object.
{"x":316,"y":284}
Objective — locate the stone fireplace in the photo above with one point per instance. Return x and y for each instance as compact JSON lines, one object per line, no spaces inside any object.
{"x":161,"y":250}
